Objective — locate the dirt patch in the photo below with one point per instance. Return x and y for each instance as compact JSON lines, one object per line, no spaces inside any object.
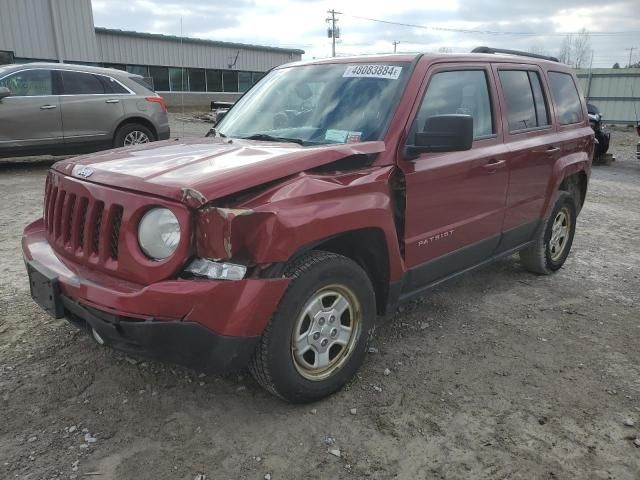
{"x":499,"y":374}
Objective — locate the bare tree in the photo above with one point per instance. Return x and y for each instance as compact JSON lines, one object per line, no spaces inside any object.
{"x":575,"y":49}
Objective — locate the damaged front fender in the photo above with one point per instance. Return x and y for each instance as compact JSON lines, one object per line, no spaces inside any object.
{"x":218,"y":227}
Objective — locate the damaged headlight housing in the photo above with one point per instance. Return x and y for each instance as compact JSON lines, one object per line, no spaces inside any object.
{"x":202,"y":267}
{"x":159,"y":233}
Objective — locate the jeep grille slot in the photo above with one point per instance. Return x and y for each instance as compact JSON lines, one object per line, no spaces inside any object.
{"x":82,"y":219}
{"x":68,"y":219}
{"x":97,"y":223}
{"x":116,"y":220}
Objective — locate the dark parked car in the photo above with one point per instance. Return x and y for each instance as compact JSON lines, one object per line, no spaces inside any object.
{"x":332,"y":191}
{"x":54,"y":108}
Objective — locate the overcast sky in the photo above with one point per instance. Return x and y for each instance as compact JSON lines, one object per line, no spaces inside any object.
{"x":301,"y":24}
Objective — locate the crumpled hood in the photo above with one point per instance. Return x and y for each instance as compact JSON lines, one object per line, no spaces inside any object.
{"x":196,"y":171}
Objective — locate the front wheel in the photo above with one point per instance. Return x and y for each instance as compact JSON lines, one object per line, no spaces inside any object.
{"x":317,"y":339}
{"x":553,"y":241}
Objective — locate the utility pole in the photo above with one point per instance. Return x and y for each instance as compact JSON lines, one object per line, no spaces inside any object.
{"x":395,"y":45}
{"x":630,"y":54}
{"x":334,"y":31}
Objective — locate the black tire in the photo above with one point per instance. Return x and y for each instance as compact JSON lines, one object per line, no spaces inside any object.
{"x":273,"y":364}
{"x":540,"y":257}
{"x":124,"y":130}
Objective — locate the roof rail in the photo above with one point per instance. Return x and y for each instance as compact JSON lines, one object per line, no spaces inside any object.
{"x":513,"y":52}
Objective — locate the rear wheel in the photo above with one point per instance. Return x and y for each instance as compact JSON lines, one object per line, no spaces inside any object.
{"x":317,"y":339}
{"x":554,"y":240}
{"x":132,"y":134}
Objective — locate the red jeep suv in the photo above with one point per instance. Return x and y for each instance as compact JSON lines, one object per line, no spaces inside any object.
{"x":332,"y":191}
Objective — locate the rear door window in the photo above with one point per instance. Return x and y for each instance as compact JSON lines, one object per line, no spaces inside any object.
{"x":566,"y":97}
{"x":29,"y":83}
{"x":526,"y":106}
{"x":78,"y":83}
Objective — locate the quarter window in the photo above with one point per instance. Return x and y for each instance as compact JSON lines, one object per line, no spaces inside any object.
{"x":526,"y":106}
{"x":459,"y":92}
{"x":30,"y":83}
{"x":78,"y":83}
{"x":567,"y":98}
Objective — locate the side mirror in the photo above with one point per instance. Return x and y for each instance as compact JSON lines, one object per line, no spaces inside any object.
{"x":443,"y":133}
{"x":4,"y":92}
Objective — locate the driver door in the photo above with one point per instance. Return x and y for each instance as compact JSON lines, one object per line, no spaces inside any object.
{"x":455,"y":201}
{"x":30,"y":117}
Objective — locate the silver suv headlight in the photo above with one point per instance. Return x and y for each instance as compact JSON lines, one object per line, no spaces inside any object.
{"x":159,"y":233}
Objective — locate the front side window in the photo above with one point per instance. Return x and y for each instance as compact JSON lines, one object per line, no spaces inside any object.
{"x":463,"y":92}
{"x":319,"y":104}
{"x":29,"y":83}
{"x":567,"y":98}
{"x":78,"y":83}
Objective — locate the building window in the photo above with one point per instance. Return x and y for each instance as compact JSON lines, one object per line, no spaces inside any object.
{"x":178,"y":79}
{"x":214,"y":81}
{"x":256,"y":76}
{"x":142,"y":70}
{"x":160,"y":77}
{"x":6,"y":57}
{"x":230,"y":81}
{"x":116,"y":66}
{"x":244,"y":80}
{"x":197,"y":81}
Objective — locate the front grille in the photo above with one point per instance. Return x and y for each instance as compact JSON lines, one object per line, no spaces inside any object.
{"x":75,"y":223}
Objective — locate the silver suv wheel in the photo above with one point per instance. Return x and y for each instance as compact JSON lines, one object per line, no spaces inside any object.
{"x":136,"y":137}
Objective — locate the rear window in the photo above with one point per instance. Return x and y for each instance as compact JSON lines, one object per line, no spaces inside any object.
{"x":526,"y":106}
{"x":567,"y":98}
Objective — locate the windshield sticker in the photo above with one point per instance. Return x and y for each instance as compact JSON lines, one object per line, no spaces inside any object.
{"x":338,"y":136}
{"x":354,"y":137}
{"x":372,"y":71}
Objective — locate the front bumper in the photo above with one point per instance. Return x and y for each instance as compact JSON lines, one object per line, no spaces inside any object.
{"x":201,"y":323}
{"x":184,"y":343}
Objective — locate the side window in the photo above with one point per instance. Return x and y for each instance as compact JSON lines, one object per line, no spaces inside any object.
{"x":30,"y":83}
{"x":566,"y":97}
{"x":78,"y":83}
{"x":525,"y":101}
{"x":462,"y":92}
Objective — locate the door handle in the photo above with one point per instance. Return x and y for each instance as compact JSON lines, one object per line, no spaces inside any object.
{"x":552,"y":150}
{"x":495,"y":164}
{"x":112,"y":100}
{"x":48,"y":107}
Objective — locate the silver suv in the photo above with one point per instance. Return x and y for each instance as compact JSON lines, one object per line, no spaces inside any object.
{"x":56,"y":108}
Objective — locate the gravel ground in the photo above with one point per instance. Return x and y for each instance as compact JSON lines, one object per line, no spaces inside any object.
{"x":499,"y":374}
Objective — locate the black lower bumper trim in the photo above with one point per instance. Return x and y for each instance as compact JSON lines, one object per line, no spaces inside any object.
{"x":185,"y":343}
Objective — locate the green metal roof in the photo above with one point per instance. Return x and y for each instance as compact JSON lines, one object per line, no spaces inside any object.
{"x":213,"y":43}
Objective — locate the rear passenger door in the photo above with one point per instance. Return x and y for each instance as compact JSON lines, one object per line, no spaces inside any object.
{"x":90,"y":109}
{"x":529,"y":137}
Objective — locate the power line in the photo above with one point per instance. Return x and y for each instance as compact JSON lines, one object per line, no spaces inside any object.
{"x":488,"y":32}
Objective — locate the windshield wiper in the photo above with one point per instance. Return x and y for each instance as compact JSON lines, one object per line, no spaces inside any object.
{"x":271,"y":138}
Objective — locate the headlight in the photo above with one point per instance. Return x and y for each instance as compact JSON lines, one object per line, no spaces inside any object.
{"x":159,"y":233}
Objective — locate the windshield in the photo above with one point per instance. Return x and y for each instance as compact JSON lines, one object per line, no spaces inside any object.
{"x":319,"y":104}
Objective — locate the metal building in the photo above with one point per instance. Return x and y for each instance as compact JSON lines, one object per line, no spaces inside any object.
{"x":63,"y":31}
{"x":615,"y":91}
